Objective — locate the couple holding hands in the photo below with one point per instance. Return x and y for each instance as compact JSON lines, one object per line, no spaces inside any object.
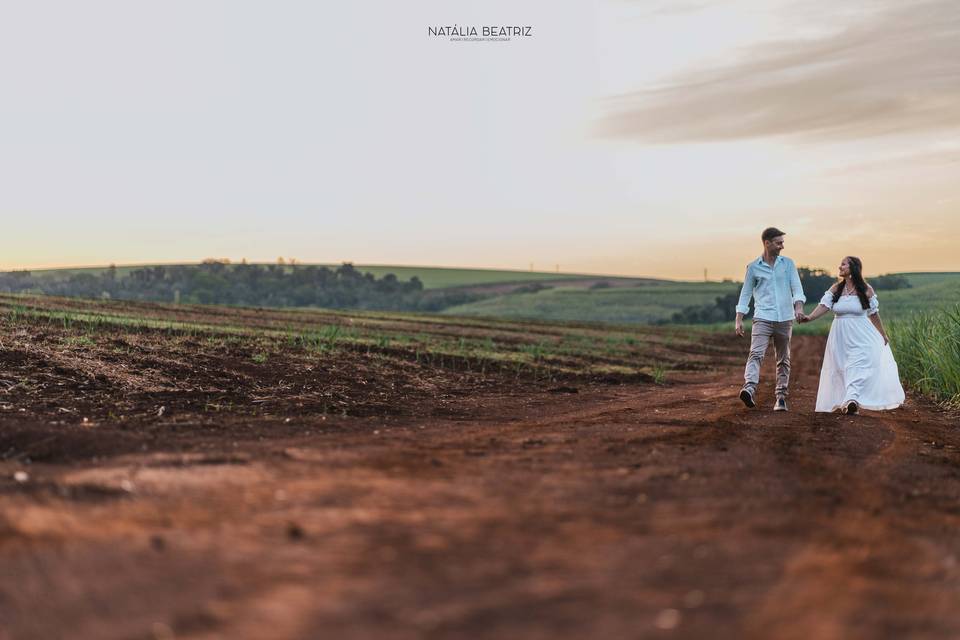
{"x":858,"y":371}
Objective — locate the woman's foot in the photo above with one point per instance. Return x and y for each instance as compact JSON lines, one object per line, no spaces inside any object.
{"x":850,"y":408}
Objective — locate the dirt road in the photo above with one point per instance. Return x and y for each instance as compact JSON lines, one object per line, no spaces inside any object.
{"x":618,"y":511}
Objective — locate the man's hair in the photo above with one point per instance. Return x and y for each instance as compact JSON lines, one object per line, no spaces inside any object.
{"x":770,"y":233}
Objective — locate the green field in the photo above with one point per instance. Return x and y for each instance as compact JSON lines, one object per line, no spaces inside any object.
{"x":927,"y":278}
{"x":642,"y":304}
{"x":929,"y":291}
{"x":658,"y":301}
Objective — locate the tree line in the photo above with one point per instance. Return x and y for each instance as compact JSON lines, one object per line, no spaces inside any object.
{"x":217,"y":282}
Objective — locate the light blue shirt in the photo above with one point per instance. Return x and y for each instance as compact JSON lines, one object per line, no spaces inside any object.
{"x":774,"y":290}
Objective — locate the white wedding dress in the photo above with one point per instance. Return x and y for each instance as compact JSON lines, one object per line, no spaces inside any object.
{"x":857,"y":365}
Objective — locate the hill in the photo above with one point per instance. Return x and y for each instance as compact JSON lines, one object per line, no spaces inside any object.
{"x":431,"y":277}
{"x":589,"y":298}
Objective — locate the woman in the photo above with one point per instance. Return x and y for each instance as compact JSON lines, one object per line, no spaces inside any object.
{"x":858,"y":367}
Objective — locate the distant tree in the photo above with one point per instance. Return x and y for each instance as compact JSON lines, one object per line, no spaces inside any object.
{"x":216,"y":282}
{"x":815,"y":282}
{"x":533,"y":287}
{"x":889,"y":282}
{"x":723,"y":308}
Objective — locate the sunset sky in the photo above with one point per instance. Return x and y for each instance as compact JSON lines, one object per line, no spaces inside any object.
{"x":622,"y":137}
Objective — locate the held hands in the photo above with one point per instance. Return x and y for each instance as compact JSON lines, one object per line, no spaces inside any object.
{"x":802,"y":317}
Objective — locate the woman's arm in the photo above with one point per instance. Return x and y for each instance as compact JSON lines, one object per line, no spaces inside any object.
{"x":826,"y":302}
{"x":816,"y":313}
{"x":874,"y":315}
{"x":878,"y":323}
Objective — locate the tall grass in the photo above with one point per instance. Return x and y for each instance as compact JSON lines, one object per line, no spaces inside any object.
{"x":927,"y":348}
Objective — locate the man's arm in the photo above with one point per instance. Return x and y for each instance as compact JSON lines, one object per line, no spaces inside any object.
{"x":796,"y":290}
{"x":743,"y":304}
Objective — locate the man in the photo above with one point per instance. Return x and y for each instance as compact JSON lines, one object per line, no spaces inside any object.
{"x":774,"y":283}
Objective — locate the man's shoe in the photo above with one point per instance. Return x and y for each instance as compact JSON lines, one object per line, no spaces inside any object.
{"x":850,"y":408}
{"x":747,"y":398}
{"x":780,"y":404}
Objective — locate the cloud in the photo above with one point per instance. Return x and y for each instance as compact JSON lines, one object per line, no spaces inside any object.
{"x":895,"y":69}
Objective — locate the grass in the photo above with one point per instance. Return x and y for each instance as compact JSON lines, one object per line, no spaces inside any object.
{"x":659,"y":373}
{"x":927,"y":348}
{"x":321,"y":340}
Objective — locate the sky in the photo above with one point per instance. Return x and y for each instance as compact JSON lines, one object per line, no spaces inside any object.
{"x":632,"y":137}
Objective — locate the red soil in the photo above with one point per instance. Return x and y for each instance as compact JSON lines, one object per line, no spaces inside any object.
{"x":419,"y":503}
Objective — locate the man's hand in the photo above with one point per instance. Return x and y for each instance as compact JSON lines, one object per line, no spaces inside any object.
{"x":798,"y":312}
{"x":738,"y":326}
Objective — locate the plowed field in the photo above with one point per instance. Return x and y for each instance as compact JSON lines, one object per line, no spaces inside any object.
{"x":190,"y":472}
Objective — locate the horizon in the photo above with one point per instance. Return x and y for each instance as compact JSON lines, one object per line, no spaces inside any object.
{"x":358,"y":265}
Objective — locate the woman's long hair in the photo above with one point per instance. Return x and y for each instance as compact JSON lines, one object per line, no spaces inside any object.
{"x":859,"y":284}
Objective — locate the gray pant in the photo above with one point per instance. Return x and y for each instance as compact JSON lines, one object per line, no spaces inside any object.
{"x":760,"y":336}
